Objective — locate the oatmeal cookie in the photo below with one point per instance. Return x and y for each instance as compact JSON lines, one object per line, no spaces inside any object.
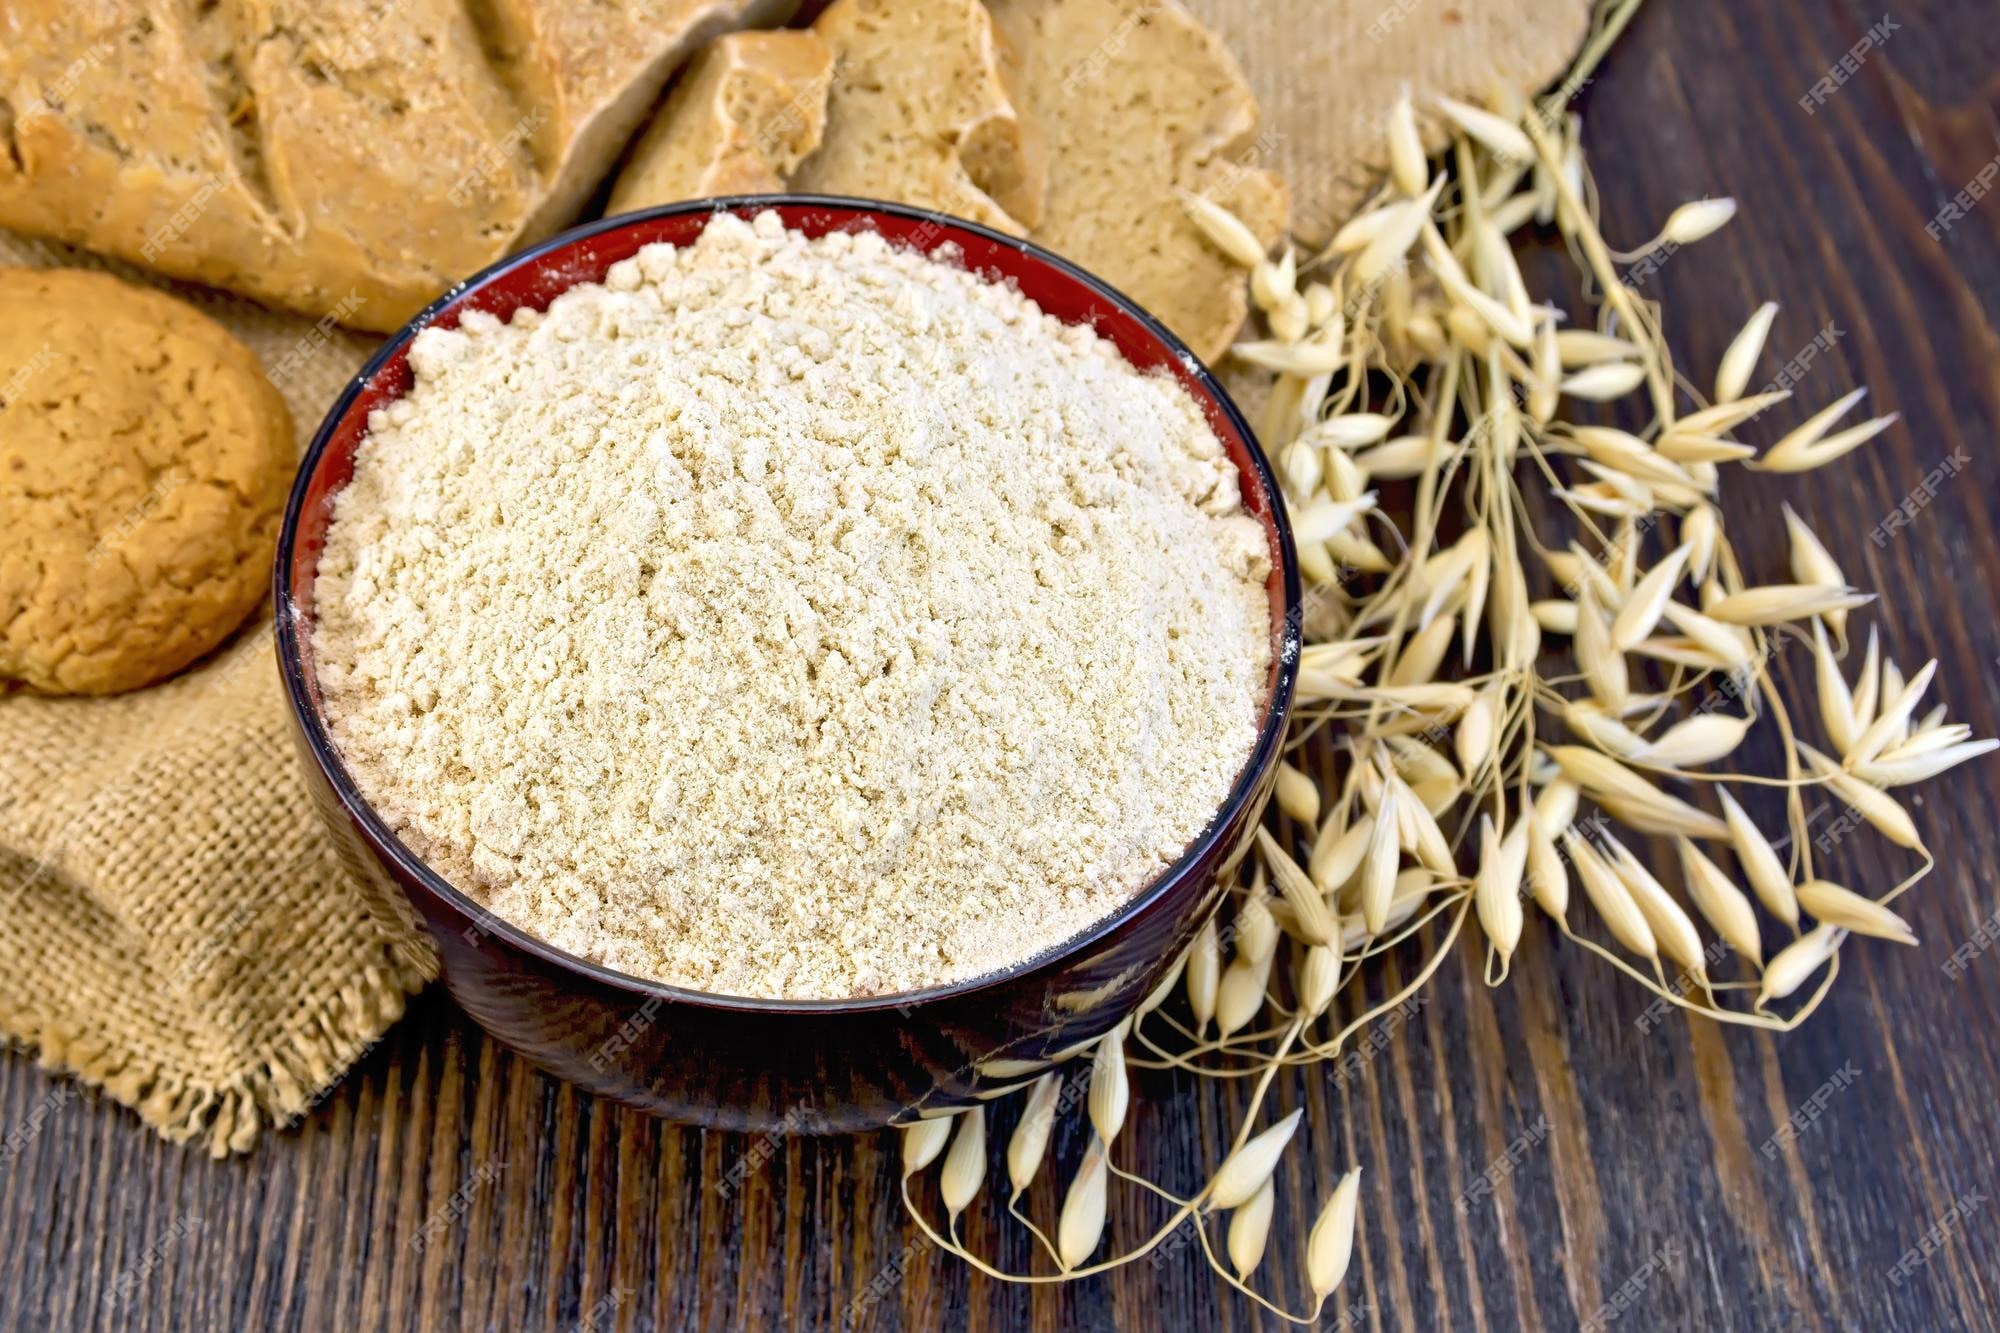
{"x":144,"y":462}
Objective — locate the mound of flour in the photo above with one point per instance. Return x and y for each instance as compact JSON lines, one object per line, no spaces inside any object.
{"x":792,"y":618}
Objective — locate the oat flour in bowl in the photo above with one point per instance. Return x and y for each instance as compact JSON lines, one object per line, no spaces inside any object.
{"x":792,"y":618}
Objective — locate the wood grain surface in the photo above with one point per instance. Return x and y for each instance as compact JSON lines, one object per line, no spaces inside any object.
{"x":446,"y":1184}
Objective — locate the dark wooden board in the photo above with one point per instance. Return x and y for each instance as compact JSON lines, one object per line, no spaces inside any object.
{"x":1653,"y":1140}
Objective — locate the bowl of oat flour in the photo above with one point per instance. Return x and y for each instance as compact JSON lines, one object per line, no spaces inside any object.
{"x":805,"y":661}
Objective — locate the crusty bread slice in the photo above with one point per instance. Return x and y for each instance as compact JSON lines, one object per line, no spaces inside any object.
{"x":923,"y":111}
{"x":746,"y":111}
{"x":598,"y":67}
{"x":1140,"y":103}
{"x":328,"y":155}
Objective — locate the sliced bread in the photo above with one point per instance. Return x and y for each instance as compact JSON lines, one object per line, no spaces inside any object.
{"x":922,"y":110}
{"x":745,"y":112}
{"x":1141,"y":105}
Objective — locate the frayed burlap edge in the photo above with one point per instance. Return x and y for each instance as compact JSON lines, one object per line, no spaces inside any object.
{"x":292,"y":1079}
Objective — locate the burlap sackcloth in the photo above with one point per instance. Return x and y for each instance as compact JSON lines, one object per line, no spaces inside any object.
{"x":175,"y":926}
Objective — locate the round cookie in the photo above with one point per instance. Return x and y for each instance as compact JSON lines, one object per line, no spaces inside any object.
{"x":144,"y":463}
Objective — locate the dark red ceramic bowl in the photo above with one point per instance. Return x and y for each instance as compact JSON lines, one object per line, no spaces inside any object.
{"x":756,"y":1064}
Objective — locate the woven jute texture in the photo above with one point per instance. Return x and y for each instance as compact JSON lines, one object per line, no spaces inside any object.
{"x":175,"y":926}
{"x":1327,"y":71}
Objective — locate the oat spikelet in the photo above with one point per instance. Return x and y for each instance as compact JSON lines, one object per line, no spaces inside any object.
{"x":1472,"y":740}
{"x":1301,"y":358}
{"x":1424,"y":653}
{"x":1605,"y":381}
{"x":1323,"y":519}
{"x":1407,"y":165}
{"x":1650,"y":809}
{"x":1808,"y":445}
{"x":1399,"y":231}
{"x":1358,"y":231}
{"x":1867,"y":686}
{"x":1871,"y":803}
{"x":1204,"y":973}
{"x":1318,"y":977}
{"x":1607,"y":893}
{"x":1224,"y":230}
{"x":1728,"y":645}
{"x":1797,"y":961}
{"x":1603,"y":665}
{"x":1811,"y":562}
{"x":1671,"y":927}
{"x":1901,"y":767}
{"x":1701,"y":739}
{"x":1727,"y":416}
{"x":1548,"y":881}
{"x":1555,"y":806}
{"x":1110,"y":1089}
{"x":1418,"y":832}
{"x":1240,"y":995}
{"x":1732,"y":376}
{"x":923,"y":1140}
{"x":1298,"y":795}
{"x":1498,"y":134}
{"x":1330,"y":1246}
{"x":1648,"y":599}
{"x":1313,"y":923}
{"x":1496,"y":888}
{"x":1838,"y":906}
{"x":1350,"y":430}
{"x":1030,"y":1140}
{"x":1378,"y":866}
{"x":1777,"y":603}
{"x":1890,"y":724}
{"x":1699,"y":531}
{"x":1720,"y":902}
{"x":1249,"y":1228}
{"x":1697,"y":220}
{"x":1337,"y":854}
{"x":1081,"y":1225}
{"x":1257,"y":930}
{"x":1836,"y":702}
{"x":1247,"y":1168}
{"x":1602,"y":730}
{"x":1586,"y":347}
{"x":965,"y":1164}
{"x":1761,"y":866}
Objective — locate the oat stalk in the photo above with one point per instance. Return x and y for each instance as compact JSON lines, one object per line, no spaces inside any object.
{"x":1531,"y":652}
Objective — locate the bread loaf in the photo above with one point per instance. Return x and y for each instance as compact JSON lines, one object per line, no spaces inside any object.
{"x":347,"y":154}
{"x":923,"y":110}
{"x":740,"y":118}
{"x":1141,"y":104}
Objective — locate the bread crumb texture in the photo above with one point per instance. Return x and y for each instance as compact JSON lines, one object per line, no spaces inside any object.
{"x":793,"y":618}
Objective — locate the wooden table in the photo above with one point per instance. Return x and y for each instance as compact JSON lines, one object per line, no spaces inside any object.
{"x":1646,"y":1158}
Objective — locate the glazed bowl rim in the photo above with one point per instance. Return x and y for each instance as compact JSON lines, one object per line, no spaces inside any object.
{"x":410,"y":867}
